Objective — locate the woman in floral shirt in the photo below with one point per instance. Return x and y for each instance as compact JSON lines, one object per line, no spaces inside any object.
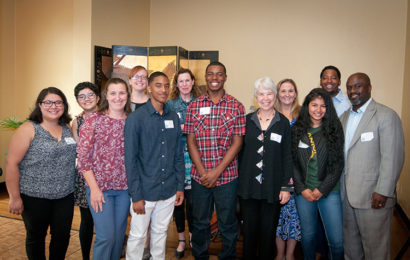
{"x":101,"y":163}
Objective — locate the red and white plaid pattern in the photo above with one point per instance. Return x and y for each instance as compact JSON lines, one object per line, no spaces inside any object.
{"x":214,"y":125}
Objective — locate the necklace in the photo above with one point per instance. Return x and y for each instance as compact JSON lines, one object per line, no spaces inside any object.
{"x":268,"y":118}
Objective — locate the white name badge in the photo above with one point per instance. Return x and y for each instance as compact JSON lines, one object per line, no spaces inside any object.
{"x":169,"y":123}
{"x":69,"y":140}
{"x":275,"y":137}
{"x":302,"y":145}
{"x":366,"y":137}
{"x":204,"y":110}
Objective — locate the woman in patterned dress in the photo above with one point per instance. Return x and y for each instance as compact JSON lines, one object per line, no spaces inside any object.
{"x":288,"y":230}
{"x":87,"y":95}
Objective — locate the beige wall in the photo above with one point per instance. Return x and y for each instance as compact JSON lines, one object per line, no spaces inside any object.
{"x":7,"y":64}
{"x":291,"y":39}
{"x":44,"y":43}
{"x":120,"y":22}
{"x":403,"y":190}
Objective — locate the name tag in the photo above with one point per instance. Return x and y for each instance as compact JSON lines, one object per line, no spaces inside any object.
{"x":366,"y":137}
{"x":275,"y":137}
{"x":169,"y":123}
{"x":204,"y":110}
{"x":302,"y":145}
{"x":69,"y":140}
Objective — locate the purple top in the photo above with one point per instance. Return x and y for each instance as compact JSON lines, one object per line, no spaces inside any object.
{"x":101,"y":150}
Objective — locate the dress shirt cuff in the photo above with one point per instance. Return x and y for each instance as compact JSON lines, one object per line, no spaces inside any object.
{"x":287,"y":188}
{"x":136,"y":196}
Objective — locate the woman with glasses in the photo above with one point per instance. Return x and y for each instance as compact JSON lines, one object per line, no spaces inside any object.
{"x":87,"y":95}
{"x":101,"y":163}
{"x":40,"y":169}
{"x":184,"y":91}
{"x":317,"y":146}
{"x":138,"y":80}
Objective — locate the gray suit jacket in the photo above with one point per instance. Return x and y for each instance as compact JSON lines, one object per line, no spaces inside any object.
{"x":374,"y":164}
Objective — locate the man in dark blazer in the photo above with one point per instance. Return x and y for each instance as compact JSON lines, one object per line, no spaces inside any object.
{"x":374,"y":155}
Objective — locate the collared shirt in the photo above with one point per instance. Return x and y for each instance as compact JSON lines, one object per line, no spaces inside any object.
{"x":352,"y":123}
{"x":180,"y":107}
{"x":154,"y":160}
{"x":341,"y":102}
{"x":214,"y":125}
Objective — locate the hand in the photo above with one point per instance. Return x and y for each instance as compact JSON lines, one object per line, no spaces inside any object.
{"x":182,"y":127}
{"x":139,"y":207}
{"x":16,"y":206}
{"x":97,"y":199}
{"x":284,"y":197}
{"x":378,"y":201}
{"x":308,"y":195}
{"x":317,"y":194}
{"x":179,"y":198}
{"x":209,"y":179}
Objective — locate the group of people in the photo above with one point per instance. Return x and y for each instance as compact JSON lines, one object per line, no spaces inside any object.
{"x":155,"y":152}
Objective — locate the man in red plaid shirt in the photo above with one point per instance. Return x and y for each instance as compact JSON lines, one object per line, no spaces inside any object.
{"x":215,"y":125}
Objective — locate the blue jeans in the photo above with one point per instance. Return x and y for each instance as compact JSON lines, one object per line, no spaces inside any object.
{"x":110,"y":224}
{"x":330,"y":210}
{"x":203,"y":199}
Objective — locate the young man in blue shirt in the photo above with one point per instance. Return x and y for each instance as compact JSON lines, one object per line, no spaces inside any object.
{"x":154,"y":164}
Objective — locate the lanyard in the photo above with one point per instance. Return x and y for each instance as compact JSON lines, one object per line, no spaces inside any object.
{"x":312,"y":144}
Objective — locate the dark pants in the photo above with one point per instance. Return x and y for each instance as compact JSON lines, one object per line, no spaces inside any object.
{"x":179,"y":213}
{"x":260,"y":220}
{"x":86,"y":232}
{"x":204,"y":199}
{"x":38,"y":215}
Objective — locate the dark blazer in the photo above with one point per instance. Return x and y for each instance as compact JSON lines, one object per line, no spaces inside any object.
{"x":328,"y":179}
{"x":277,"y":159}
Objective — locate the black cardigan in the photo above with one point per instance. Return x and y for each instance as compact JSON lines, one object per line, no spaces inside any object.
{"x":277,"y":158}
{"x":328,"y":179}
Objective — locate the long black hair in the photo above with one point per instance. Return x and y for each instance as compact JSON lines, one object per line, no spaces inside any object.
{"x":331,"y":127}
{"x":37,"y":116}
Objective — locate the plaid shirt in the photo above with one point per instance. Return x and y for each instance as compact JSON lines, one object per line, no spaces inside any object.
{"x":213,"y":126}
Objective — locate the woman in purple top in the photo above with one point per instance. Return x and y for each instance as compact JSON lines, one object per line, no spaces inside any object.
{"x":101,"y":163}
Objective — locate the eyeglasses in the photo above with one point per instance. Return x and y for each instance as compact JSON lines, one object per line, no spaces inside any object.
{"x":84,"y":96}
{"x":139,"y":77}
{"x":49,"y":103}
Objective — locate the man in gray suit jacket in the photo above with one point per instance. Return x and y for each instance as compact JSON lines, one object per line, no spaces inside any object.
{"x":374,"y":155}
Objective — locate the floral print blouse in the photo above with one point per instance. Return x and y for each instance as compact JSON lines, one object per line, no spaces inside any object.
{"x":101,"y":149}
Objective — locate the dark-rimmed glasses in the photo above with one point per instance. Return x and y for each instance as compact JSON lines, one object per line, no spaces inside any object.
{"x":49,"y":103}
{"x":84,"y":96}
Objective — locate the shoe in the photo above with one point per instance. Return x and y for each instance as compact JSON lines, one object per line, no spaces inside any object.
{"x":180,"y":254}
{"x":146,"y":255}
